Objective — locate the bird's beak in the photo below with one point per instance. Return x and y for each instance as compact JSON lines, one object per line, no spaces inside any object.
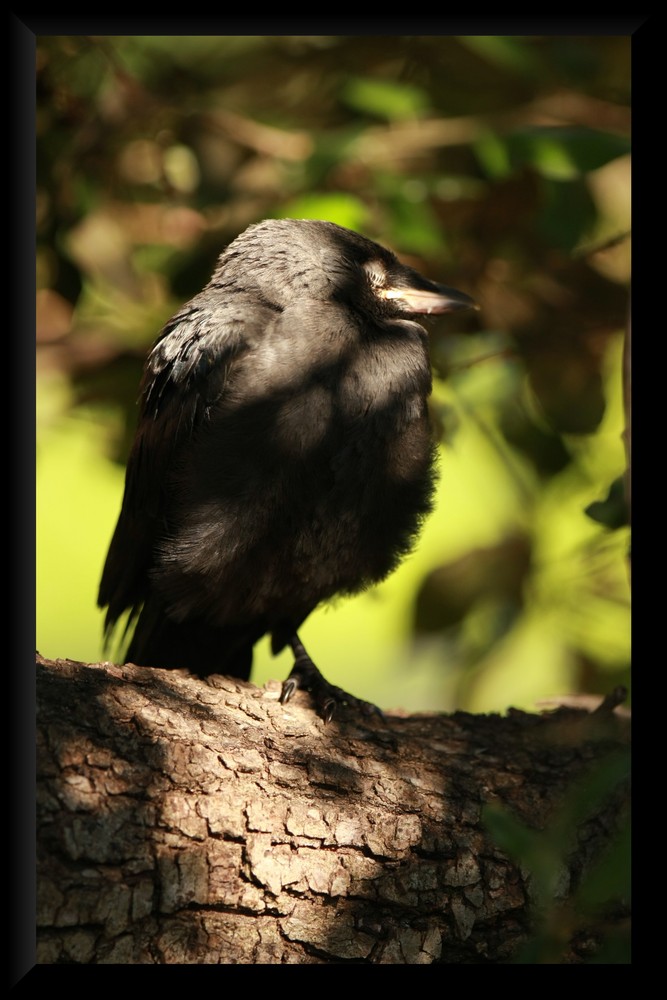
{"x":429,"y":298}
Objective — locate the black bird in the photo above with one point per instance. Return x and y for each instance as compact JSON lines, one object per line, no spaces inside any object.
{"x":283,"y":453}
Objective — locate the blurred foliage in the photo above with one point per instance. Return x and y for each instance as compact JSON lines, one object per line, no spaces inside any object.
{"x":585,"y":918}
{"x":499,"y":165}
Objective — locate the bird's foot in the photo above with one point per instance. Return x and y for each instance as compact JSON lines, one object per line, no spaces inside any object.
{"x":328,"y":699}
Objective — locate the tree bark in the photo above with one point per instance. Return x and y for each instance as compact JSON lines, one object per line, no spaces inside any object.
{"x":190,"y":821}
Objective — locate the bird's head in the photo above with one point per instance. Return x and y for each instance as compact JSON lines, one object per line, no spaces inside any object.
{"x":284,"y":259}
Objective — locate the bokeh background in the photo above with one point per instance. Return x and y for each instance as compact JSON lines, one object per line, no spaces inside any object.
{"x":499,"y":165}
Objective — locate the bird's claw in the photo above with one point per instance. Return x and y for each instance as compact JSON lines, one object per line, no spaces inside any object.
{"x":328,"y":709}
{"x":328,"y":699}
{"x":288,"y":689}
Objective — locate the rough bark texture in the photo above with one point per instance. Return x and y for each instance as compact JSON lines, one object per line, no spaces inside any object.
{"x":183,"y":821}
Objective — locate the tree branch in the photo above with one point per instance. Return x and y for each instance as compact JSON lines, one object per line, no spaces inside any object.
{"x":184,"y":821}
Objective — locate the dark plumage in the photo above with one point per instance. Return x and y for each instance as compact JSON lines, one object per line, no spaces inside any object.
{"x":283,"y":453}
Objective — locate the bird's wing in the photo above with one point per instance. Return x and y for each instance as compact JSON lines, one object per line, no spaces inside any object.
{"x":184,"y":375}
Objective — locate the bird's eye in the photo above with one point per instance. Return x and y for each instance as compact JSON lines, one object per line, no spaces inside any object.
{"x":376,"y":273}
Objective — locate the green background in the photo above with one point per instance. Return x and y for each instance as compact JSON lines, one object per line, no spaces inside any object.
{"x":498,"y":165}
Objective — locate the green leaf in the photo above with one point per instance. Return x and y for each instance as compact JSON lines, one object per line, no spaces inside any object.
{"x":609,"y":878}
{"x":505,"y":52}
{"x":563,"y":153}
{"x":493,"y":153}
{"x":344,"y":209}
{"x":384,"y":98}
{"x":613,"y":510}
{"x":568,"y":213}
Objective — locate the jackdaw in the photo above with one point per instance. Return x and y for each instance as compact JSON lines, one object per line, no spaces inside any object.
{"x":283,"y":454}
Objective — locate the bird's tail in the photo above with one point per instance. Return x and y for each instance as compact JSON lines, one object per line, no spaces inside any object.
{"x":158,"y":641}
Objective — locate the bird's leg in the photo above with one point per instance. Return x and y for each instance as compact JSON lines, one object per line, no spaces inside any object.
{"x":327,"y":697}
